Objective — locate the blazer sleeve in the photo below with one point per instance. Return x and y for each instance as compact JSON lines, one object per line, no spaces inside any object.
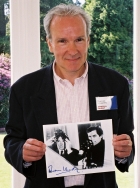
{"x":126,"y":125}
{"x":16,"y":136}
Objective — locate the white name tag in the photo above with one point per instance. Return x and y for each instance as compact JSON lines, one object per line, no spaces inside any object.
{"x":106,"y":103}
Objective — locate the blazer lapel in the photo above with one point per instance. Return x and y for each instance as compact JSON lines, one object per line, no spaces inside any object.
{"x":96,"y":88}
{"x":44,"y":102}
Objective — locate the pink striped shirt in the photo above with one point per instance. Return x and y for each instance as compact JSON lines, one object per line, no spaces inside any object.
{"x":72,"y":104}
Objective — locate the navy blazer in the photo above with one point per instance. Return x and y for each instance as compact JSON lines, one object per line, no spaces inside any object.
{"x":33,"y":104}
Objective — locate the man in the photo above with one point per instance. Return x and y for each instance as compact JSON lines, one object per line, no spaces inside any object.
{"x":61,"y":144}
{"x":96,"y":151}
{"x":65,"y":92}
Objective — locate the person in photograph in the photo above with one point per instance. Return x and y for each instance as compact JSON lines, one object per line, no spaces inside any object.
{"x":95,"y":153}
{"x":61,"y":144}
{"x":65,"y":92}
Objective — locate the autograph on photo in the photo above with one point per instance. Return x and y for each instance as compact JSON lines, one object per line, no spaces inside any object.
{"x":64,"y":170}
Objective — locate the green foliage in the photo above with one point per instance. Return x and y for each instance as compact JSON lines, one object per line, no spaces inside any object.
{"x":5,"y":77}
{"x":4,"y":29}
{"x":111,"y":42}
{"x":45,"y":6}
{"x":47,"y":57}
{"x":5,"y":45}
{"x":3,"y":17}
{"x":4,"y":109}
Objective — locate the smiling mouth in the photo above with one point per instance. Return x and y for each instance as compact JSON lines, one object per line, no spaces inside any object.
{"x":74,"y":59}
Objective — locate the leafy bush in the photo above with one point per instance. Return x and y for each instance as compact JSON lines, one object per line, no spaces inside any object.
{"x":5,"y":44}
{"x":46,"y":57}
{"x":111,"y":40}
{"x":5,"y":70}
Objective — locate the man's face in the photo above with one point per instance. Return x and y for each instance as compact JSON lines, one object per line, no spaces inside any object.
{"x":60,"y":143}
{"x":94,"y":137}
{"x":69,"y":44}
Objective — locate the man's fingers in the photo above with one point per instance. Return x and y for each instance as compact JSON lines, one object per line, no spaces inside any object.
{"x":122,"y":140}
{"x":33,"y":153}
{"x":34,"y":145}
{"x":122,"y":148}
{"x":121,"y":137}
{"x":121,"y":154}
{"x":33,"y":150}
{"x":37,"y":152}
{"x":30,"y":147}
{"x":123,"y":143}
{"x":36,"y":142}
{"x":32,"y":158}
{"x":121,"y":151}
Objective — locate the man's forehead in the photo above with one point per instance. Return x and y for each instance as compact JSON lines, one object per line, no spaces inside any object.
{"x":65,"y":17}
{"x":68,"y":27}
{"x":66,"y":20}
{"x":59,"y":138}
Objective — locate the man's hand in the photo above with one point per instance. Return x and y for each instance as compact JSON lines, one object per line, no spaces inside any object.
{"x":122,"y":145}
{"x":33,"y":150}
{"x":51,"y":141}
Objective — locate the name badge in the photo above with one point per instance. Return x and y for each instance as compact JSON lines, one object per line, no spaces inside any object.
{"x":106,"y":103}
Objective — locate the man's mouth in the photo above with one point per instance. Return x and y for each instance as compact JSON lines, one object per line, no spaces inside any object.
{"x":73,"y":59}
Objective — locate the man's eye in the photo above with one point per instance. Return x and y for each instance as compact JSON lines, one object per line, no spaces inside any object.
{"x":62,"y":41}
{"x":79,"y":39}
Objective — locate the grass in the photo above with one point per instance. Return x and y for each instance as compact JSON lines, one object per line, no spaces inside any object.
{"x":5,"y":168}
{"x":123,"y":179}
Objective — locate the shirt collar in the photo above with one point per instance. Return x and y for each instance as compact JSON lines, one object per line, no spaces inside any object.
{"x":59,"y":79}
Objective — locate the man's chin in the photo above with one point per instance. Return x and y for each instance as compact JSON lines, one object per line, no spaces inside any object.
{"x":61,"y":149}
{"x":94,"y":144}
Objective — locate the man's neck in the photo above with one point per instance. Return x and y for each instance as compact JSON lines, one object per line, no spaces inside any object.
{"x":69,"y":75}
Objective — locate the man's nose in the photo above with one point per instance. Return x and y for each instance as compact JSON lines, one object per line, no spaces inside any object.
{"x":72,"y":49}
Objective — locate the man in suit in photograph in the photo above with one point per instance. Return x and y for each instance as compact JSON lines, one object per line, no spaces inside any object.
{"x":97,"y":148}
{"x":65,"y":92}
{"x":60,"y":143}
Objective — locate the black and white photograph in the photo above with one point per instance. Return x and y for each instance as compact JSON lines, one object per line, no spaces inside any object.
{"x":79,"y":148}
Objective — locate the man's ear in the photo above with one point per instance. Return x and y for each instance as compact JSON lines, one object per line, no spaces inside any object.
{"x":49,"y":44}
{"x":101,"y":136}
{"x":88,"y":41}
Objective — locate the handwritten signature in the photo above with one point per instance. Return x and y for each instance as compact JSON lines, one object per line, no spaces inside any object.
{"x":64,"y":170}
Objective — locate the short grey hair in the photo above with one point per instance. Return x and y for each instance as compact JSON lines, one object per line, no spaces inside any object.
{"x":66,"y":10}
